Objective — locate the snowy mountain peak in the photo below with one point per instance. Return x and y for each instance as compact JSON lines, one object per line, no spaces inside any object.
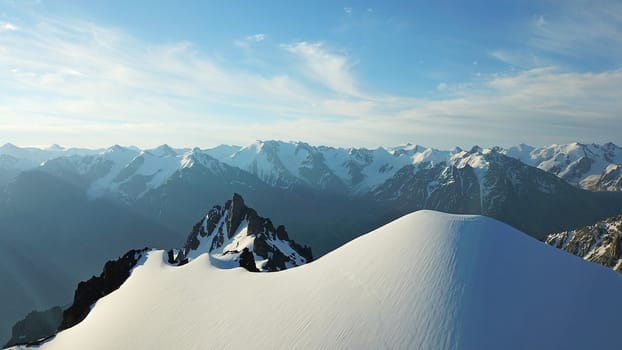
{"x":235,"y":235}
{"x":55,"y":148}
{"x":476,"y":149}
{"x":427,"y":280}
{"x":119,"y":149}
{"x":582,"y":165}
{"x":163,"y":151}
{"x":129,"y":173}
{"x":8,"y":146}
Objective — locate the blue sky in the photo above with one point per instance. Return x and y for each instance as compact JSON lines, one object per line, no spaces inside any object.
{"x":338,"y":73}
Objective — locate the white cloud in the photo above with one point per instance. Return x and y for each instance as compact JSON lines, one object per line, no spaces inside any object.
{"x":544,"y":105}
{"x":328,"y":68}
{"x":81,"y":84}
{"x":8,"y":27}
{"x":256,"y":37}
{"x":250,"y":40}
{"x":521,"y":59}
{"x":581,"y":29}
{"x":347,"y":10}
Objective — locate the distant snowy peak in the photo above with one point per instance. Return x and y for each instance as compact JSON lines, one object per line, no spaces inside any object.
{"x":354,"y":170}
{"x":235,"y":235}
{"x":282,"y":164}
{"x":130,"y":173}
{"x":592,"y":167}
{"x":39,"y":156}
{"x":600,"y":243}
{"x":165,"y":150}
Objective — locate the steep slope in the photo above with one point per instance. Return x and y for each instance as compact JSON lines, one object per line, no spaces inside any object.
{"x":600,"y":243}
{"x":428,"y":281}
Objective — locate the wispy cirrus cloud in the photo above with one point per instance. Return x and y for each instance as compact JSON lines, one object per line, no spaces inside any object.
{"x":580,"y":28}
{"x":579,"y":31}
{"x":77,"y":82}
{"x":249,"y":40}
{"x":330,"y":69}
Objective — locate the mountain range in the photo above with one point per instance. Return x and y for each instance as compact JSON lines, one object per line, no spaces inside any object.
{"x":427,"y":280}
{"x":68,"y":205}
{"x":130,"y":173}
{"x":169,"y":185}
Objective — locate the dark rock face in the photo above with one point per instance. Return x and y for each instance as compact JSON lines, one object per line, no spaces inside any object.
{"x":247,"y":260}
{"x":600,"y":243}
{"x":237,"y":211}
{"x":226,"y":220}
{"x":112,"y":277}
{"x":37,"y":325}
{"x":433,"y":186}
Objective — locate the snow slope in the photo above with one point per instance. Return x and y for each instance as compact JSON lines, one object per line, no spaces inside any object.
{"x":425,"y":281}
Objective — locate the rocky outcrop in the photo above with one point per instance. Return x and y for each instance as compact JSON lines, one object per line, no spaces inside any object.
{"x":235,"y":232}
{"x":88,"y":292}
{"x":237,"y":211}
{"x":600,"y":243}
{"x":35,"y":326}
{"x":247,"y":260}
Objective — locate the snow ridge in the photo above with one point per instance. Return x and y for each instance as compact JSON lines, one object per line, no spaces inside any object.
{"x":425,"y":281}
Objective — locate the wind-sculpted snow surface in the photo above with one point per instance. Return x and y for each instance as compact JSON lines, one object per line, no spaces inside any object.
{"x":425,"y":281}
